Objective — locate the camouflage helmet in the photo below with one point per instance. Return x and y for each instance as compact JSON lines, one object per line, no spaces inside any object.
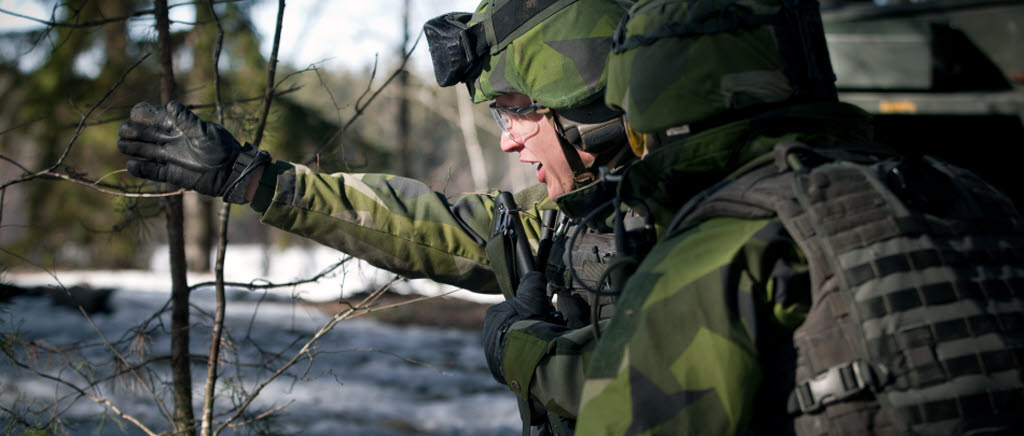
{"x":677,"y":64}
{"x":553,"y":51}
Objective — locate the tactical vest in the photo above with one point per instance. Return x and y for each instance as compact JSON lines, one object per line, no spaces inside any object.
{"x":590,"y":255}
{"x":917,"y":273}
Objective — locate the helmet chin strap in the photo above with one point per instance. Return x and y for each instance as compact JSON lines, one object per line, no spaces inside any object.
{"x":580,"y":172}
{"x":602,"y":139}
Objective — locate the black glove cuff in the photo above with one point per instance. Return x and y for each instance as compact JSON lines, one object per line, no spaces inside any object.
{"x":247,"y":161}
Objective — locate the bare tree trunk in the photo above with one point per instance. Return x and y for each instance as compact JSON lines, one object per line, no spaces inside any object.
{"x":218,"y":324}
{"x":477,"y":166}
{"x":200,"y":228}
{"x":199,"y":231}
{"x":405,"y":160}
{"x":181,"y":370}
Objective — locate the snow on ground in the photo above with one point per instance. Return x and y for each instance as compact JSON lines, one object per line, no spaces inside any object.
{"x":244,"y":263}
{"x":368,"y":378}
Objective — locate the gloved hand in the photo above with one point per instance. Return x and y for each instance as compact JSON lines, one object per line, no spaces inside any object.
{"x":531,"y":302}
{"x":182,"y":149}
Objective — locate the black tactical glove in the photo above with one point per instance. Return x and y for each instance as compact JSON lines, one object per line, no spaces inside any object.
{"x":182,"y":149}
{"x":531,"y":302}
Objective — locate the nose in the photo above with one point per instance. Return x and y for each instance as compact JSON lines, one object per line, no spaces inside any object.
{"x":509,"y":145}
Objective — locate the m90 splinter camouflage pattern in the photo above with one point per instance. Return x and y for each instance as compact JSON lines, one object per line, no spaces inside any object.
{"x":676,"y":63}
{"x":557,"y":57}
{"x":392,"y":222}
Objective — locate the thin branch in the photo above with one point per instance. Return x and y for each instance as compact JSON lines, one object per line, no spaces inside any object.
{"x":78,"y":130}
{"x":271,"y":71}
{"x":99,"y":400}
{"x":236,"y":425}
{"x":392,"y":354}
{"x":120,"y":171}
{"x":60,"y":380}
{"x":361,"y":105}
{"x":118,"y":119}
{"x":217,"y":47}
{"x":252,"y":286}
{"x":190,"y":106}
{"x":160,"y":404}
{"x":15,"y":163}
{"x":400,"y":304}
{"x":92,"y":23}
{"x":100,"y":22}
{"x":97,"y":186}
{"x":18,"y":419}
{"x":429,"y":101}
{"x":222,"y":245}
{"x":22,"y":125}
{"x":304,"y":351}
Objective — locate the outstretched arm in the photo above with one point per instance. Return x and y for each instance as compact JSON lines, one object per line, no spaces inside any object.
{"x":392,"y":222}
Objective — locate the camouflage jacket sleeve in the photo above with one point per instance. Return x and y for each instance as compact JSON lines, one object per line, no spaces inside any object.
{"x":392,"y":222}
{"x":546,"y":363}
{"x":682,"y":354}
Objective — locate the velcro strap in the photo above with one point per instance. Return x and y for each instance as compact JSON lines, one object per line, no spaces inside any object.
{"x":247,"y":161}
{"x":513,"y":19}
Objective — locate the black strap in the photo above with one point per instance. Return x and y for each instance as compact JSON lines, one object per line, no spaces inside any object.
{"x":247,"y":161}
{"x":508,"y":20}
{"x":597,"y":138}
{"x":572,"y":155}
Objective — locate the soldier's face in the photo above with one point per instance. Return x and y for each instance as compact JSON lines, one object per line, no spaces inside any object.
{"x":536,"y":141}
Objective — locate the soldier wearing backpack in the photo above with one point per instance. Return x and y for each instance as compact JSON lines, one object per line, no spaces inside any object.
{"x":805,"y":280}
{"x":542,"y":64}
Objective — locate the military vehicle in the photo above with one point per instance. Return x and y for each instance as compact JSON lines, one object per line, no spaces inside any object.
{"x":943,"y":77}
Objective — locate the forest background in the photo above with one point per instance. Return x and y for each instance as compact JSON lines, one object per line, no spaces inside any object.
{"x":337,"y":86}
{"x":69,"y":73}
{"x":51,"y":75}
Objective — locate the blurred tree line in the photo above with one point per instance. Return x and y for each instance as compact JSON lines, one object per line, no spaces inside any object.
{"x":86,"y":52}
{"x":67,"y":202}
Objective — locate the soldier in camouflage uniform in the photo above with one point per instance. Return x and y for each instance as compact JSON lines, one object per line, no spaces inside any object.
{"x":548,"y":76}
{"x":543,"y":65}
{"x":752,"y":314}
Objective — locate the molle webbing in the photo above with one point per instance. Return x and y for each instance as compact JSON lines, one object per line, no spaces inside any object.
{"x":590,"y":257}
{"x":929,"y":294}
{"x":591,"y":254}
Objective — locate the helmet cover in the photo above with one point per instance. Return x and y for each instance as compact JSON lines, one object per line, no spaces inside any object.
{"x":557,"y":57}
{"x":681,"y":62}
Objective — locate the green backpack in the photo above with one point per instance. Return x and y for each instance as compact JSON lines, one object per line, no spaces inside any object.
{"x":917,"y":274}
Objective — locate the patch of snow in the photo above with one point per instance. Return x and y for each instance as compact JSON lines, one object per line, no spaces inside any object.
{"x":254,"y":263}
{"x":367,"y":378}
